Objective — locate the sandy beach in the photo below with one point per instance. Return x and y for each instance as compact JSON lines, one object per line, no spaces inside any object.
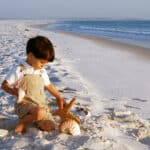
{"x":109,"y":80}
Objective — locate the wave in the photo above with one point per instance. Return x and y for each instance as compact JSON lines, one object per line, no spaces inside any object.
{"x":132,"y":31}
{"x":124,"y":31}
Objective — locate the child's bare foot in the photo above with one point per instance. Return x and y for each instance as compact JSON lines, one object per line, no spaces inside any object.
{"x":46,"y":125}
{"x":20,"y":128}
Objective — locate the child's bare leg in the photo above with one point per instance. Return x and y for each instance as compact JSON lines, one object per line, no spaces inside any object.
{"x":36,"y":114}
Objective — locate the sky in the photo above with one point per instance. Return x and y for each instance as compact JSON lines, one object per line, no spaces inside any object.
{"x":45,"y":9}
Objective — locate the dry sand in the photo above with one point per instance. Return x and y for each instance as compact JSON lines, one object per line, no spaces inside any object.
{"x":109,"y":82}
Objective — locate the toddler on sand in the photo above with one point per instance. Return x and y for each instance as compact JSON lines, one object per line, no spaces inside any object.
{"x":30,"y":78}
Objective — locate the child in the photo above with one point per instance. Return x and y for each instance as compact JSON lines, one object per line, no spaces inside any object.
{"x":32,"y":77}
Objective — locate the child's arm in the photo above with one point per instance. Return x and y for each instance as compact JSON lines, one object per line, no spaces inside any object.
{"x":6,"y":87}
{"x":60,"y":101}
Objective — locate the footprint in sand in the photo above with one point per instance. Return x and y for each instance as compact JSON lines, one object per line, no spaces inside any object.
{"x":4,"y":70}
{"x":113,"y":99}
{"x":68,"y":90}
{"x":55,"y":79}
{"x":110,"y":109}
{"x":73,"y":144}
{"x":132,"y":107}
{"x":140,"y":100}
{"x":53,"y":70}
{"x":7,"y":124}
{"x":65,"y":74}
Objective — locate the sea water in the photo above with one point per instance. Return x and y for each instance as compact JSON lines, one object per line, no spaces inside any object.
{"x":127,"y":31}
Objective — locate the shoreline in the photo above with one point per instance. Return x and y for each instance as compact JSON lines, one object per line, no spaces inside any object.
{"x":106,"y":42}
{"x":110,"y":43}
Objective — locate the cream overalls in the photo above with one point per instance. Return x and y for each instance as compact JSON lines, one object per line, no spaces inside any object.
{"x":33,"y":84}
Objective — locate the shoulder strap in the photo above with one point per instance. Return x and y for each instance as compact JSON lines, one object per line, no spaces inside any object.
{"x":22,"y":68}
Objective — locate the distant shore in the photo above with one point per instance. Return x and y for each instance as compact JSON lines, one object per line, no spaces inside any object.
{"x":138,"y":50}
{"x":108,"y":42}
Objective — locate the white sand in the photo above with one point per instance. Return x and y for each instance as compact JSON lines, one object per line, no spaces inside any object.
{"x":109,"y":82}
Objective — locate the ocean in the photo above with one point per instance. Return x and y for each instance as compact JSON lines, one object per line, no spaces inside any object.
{"x":126,"y":31}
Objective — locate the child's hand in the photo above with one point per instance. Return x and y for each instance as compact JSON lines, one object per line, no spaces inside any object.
{"x":15,"y":92}
{"x":9,"y":89}
{"x":61,"y":103}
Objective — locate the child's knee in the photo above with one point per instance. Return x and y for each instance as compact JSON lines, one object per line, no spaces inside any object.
{"x":41,"y":114}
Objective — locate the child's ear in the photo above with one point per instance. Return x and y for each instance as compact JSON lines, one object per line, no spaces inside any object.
{"x":30,"y":55}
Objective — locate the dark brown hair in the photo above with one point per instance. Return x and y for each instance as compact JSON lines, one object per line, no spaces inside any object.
{"x":41,"y":47}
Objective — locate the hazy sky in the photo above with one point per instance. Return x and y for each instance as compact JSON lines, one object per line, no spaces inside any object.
{"x":43,"y":9}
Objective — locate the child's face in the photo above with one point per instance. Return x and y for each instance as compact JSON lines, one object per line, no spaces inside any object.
{"x":36,"y":63}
